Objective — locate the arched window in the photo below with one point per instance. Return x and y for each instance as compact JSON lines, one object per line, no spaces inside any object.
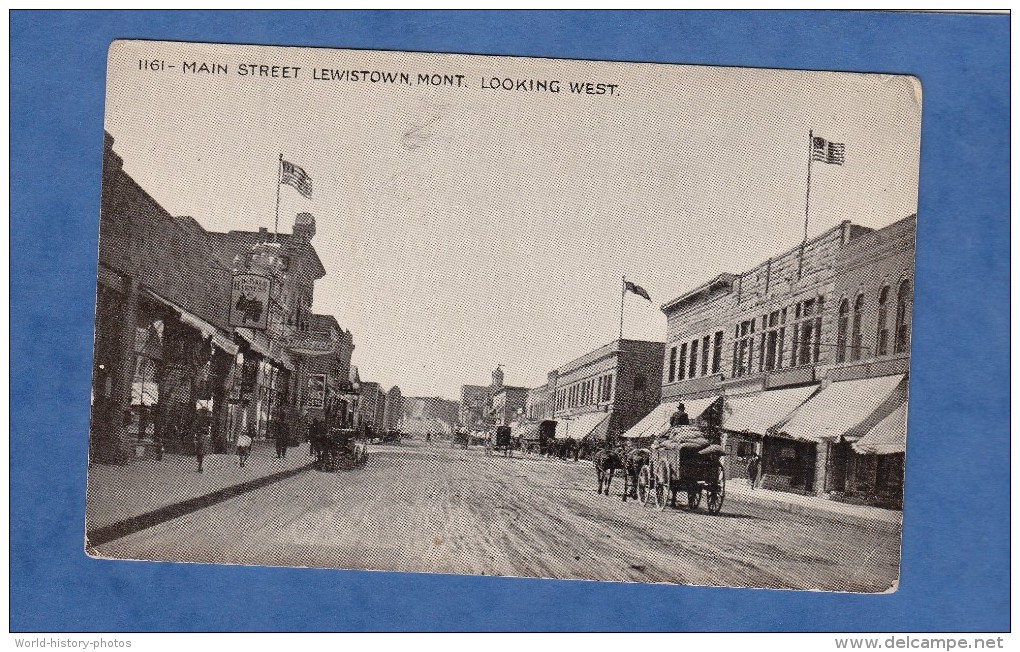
{"x":904,"y":297}
{"x":883,"y":322}
{"x":841,"y":330}
{"x":855,"y":334}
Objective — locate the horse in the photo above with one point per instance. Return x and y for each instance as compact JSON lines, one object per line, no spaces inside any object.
{"x":633,"y":461}
{"x":606,"y":460}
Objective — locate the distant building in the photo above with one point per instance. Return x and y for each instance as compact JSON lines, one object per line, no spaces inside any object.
{"x":606,"y":391}
{"x":371,"y":406}
{"x":506,"y":405}
{"x":428,"y":414}
{"x":393,"y":410}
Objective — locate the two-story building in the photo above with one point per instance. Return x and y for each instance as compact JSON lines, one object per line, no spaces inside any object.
{"x":604,"y":392}
{"x":761,"y":347}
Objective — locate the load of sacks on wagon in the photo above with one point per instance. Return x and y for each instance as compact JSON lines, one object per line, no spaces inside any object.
{"x":689,"y":441}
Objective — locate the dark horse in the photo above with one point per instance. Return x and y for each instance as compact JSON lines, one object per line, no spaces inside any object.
{"x":607,"y":460}
{"x":633,"y":460}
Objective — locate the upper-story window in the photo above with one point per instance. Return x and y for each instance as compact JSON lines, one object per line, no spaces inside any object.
{"x":705,"y":344}
{"x":682,"y":366}
{"x":743,"y":348}
{"x":842,"y":327}
{"x":882,"y":340}
{"x":607,"y":390}
{"x":771,"y":342}
{"x":807,"y":331}
{"x":904,"y":299}
{"x":856,"y":342}
{"x":692,"y":361}
{"x":672,"y":364}
{"x":717,"y":353}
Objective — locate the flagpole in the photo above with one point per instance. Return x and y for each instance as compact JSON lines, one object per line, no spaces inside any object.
{"x":623,"y":293}
{"x":279,"y":180}
{"x":807,"y":202}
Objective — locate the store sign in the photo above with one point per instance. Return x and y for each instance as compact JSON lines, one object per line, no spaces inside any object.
{"x":316,"y":395}
{"x":249,"y":301}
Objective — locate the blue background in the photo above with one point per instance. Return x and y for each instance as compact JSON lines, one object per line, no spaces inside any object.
{"x":955,"y":572}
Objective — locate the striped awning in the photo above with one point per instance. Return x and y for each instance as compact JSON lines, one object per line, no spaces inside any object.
{"x":219,"y":338}
{"x":656,"y":422}
{"x":888,"y":437}
{"x":581,"y":426}
{"x":757,"y":413}
{"x":847,"y":409}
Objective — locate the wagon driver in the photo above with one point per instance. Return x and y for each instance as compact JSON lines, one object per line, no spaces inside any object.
{"x":679,"y":417}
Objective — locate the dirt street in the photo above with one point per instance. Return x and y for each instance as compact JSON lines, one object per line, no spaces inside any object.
{"x":434,"y":509}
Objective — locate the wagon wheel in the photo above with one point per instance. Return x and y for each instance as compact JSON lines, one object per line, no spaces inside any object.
{"x":662,"y":486}
{"x":643,"y":490}
{"x":717,"y":493}
{"x":693,"y":498}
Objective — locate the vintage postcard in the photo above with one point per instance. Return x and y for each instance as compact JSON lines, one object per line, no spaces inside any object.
{"x":503,"y":316}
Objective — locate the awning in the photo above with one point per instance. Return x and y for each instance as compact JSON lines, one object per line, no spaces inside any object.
{"x":888,"y":437}
{"x":656,"y":422}
{"x":583,"y":425}
{"x":527,"y":431}
{"x":261,"y":345}
{"x":756,"y":413}
{"x":845,"y":409}
{"x":220,"y":339}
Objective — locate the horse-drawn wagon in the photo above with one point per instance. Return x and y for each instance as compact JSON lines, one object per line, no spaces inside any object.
{"x":340,"y":450}
{"x":500,"y":439}
{"x":686,"y":460}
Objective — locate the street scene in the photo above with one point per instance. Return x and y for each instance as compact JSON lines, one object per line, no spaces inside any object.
{"x":432,"y":508}
{"x":488,"y":328}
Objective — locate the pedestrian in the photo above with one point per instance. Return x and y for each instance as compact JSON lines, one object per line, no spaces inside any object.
{"x":679,"y":417}
{"x":200,"y":445}
{"x":281,"y":439}
{"x":315,"y":433}
{"x":753,"y":470}
{"x":244,"y":447}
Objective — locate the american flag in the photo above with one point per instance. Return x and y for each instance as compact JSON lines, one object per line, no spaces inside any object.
{"x":826,"y":151}
{"x":296,"y":177}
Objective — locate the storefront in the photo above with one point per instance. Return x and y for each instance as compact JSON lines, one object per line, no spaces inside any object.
{"x":837,"y":420}
{"x":748,"y":419}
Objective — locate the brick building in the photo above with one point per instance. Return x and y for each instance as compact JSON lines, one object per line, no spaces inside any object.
{"x":606,"y":391}
{"x":751,"y":350}
{"x":167,"y":362}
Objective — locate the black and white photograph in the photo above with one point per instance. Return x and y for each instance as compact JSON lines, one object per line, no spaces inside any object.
{"x":509,"y":316}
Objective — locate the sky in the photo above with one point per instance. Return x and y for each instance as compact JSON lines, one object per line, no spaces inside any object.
{"x":464,"y":226}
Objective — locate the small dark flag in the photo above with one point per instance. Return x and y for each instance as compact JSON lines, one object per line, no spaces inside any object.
{"x":296,"y":177}
{"x":637,"y":289}
{"x":826,"y":151}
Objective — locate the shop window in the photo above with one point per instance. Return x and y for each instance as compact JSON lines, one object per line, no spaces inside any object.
{"x":745,"y":449}
{"x":882,"y":341}
{"x":904,"y":298}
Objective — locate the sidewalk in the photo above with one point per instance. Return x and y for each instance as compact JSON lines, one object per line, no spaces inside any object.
{"x":115,"y":494}
{"x":813,"y":505}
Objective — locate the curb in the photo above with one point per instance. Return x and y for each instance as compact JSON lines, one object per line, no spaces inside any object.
{"x":123,"y":528}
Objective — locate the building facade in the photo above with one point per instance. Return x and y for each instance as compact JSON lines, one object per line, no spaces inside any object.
{"x":606,"y":391}
{"x":393,"y":410}
{"x":763,"y":344}
{"x":168,"y":364}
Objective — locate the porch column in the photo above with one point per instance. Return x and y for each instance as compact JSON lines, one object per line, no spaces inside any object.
{"x":116,"y":445}
{"x":821,"y":466}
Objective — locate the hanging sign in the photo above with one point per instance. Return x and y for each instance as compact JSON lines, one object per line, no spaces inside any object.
{"x":316,"y":395}
{"x":249,"y":301}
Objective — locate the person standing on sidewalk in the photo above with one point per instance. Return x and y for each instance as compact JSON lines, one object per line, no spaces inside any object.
{"x":200,"y":445}
{"x":679,"y":418}
{"x":244,"y":447}
{"x":753,"y":470}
